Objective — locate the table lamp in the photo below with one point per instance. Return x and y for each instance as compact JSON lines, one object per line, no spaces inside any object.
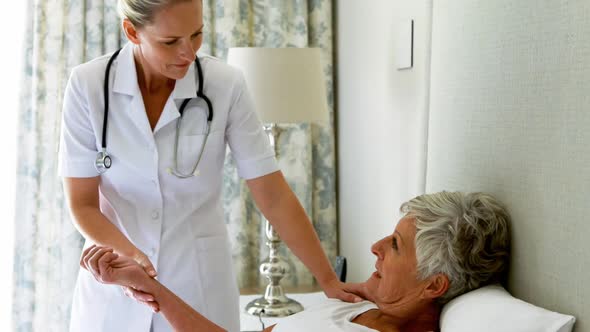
{"x":287,"y":86}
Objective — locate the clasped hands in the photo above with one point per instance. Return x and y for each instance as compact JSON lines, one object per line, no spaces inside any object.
{"x":135,"y":275}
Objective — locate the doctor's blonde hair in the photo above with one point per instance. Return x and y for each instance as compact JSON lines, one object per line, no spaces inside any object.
{"x":463,"y":236}
{"x":142,"y":12}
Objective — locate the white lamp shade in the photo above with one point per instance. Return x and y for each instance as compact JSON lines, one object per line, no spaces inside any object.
{"x":287,"y":84}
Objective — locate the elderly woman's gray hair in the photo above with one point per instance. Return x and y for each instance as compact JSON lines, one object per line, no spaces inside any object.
{"x":142,"y":12}
{"x":464,"y":236}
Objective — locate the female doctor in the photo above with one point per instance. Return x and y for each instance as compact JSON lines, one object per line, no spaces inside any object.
{"x":142,"y":148}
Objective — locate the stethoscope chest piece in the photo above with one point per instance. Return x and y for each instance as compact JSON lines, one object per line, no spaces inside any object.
{"x":103,"y":162}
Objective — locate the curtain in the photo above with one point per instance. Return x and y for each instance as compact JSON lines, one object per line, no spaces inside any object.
{"x":65,"y":33}
{"x":60,"y":34}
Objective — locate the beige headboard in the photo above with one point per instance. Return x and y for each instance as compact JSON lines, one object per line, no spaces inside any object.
{"x":510,"y":115}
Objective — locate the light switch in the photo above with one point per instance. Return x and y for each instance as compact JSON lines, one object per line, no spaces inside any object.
{"x":404,"y":53}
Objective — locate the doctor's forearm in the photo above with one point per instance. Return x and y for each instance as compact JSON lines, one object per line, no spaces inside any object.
{"x":95,"y":227}
{"x":83,"y":199}
{"x":296,"y":230}
{"x":281,"y":207}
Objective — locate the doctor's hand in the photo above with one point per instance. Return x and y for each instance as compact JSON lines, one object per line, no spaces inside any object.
{"x":359,"y":289}
{"x":138,"y":293}
{"x":145,"y":262}
{"x":336,"y":289}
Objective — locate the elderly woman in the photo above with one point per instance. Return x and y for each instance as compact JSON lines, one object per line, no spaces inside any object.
{"x":446,"y":244}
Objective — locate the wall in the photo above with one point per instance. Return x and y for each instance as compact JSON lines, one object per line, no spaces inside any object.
{"x":506,"y":98}
{"x":381,"y":119}
{"x":509,"y":115}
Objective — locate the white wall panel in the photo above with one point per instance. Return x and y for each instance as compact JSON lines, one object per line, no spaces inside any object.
{"x":382,"y":120}
{"x":510,"y":114}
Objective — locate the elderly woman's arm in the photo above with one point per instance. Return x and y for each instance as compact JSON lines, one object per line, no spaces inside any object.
{"x":110,"y":268}
{"x":180,"y":315}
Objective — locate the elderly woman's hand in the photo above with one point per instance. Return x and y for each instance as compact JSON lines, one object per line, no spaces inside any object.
{"x":108,"y":267}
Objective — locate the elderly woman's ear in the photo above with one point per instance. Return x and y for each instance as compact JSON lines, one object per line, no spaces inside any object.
{"x":437,"y":286}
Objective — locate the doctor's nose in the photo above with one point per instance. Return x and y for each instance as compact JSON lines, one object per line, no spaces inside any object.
{"x":187,"y":51}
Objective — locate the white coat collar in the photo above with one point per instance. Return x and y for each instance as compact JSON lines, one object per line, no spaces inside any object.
{"x":186,"y":87}
{"x":126,"y":77}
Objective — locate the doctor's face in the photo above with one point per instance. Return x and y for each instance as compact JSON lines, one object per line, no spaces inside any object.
{"x":395,"y":280}
{"x":169,"y":45}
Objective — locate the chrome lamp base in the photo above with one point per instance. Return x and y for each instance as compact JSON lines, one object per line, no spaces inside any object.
{"x":274,"y":303}
{"x":277,"y":306}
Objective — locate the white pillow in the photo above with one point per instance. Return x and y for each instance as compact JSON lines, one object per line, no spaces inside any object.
{"x":492,"y":308}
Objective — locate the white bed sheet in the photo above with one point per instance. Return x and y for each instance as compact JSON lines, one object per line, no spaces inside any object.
{"x":251,"y":323}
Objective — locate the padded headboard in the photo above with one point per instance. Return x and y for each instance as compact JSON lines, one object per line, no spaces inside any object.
{"x":510,"y":115}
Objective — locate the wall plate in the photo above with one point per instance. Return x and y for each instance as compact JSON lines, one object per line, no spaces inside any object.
{"x":404,"y":50}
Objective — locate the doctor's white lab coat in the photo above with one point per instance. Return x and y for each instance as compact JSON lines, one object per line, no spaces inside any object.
{"x":177,"y":222}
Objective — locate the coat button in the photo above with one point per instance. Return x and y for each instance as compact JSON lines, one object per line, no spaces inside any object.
{"x":155,"y":214}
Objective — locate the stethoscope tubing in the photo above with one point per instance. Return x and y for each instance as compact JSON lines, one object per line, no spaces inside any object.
{"x":104,"y":161}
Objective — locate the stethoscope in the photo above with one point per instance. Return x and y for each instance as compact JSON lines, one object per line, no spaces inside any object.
{"x":104,"y":161}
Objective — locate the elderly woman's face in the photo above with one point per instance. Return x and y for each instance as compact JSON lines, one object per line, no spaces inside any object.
{"x":395,"y":281}
{"x":170,"y":43}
